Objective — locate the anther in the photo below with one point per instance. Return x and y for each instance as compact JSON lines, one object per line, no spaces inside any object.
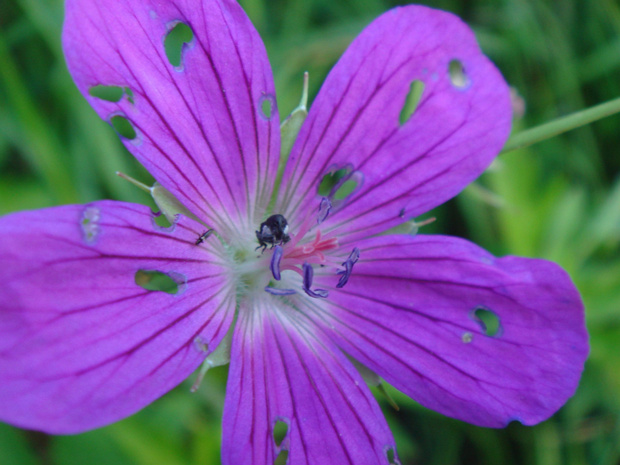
{"x":324,"y":209}
{"x":277,"y":291}
{"x":344,"y":279}
{"x":275,"y":262}
{"x":348,"y":267}
{"x":354,"y":256}
{"x":308,"y":277}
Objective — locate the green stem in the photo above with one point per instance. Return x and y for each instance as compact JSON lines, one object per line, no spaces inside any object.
{"x":135,"y":182}
{"x":562,"y":124}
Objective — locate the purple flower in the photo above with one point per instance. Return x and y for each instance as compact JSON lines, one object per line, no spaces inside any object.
{"x":84,"y":342}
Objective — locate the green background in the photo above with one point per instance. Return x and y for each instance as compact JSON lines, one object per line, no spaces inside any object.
{"x":559,"y":199}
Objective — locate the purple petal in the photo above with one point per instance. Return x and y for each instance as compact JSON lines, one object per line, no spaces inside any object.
{"x":201,"y":127}
{"x":401,"y":170}
{"x":411,"y":313}
{"x":283,"y":369}
{"x":81,"y":344}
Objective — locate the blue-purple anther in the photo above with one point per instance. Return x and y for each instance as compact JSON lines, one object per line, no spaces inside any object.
{"x":324,"y":209}
{"x":308,"y":276}
{"x":277,"y":291}
{"x":276,"y":258}
{"x":275,"y":262}
{"x":348,"y":267}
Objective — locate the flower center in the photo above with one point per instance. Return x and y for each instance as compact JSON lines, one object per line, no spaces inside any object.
{"x":299,"y":253}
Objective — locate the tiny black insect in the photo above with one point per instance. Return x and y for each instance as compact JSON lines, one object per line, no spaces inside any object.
{"x":273,"y":231}
{"x":203,"y":237}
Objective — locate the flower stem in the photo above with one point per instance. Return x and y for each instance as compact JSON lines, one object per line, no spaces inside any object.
{"x":561,"y":125}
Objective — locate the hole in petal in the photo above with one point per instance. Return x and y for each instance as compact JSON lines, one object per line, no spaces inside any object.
{"x":267,"y":104}
{"x":282,"y":458}
{"x":175,"y":41}
{"x":129,"y":94}
{"x":107,"y":93}
{"x":339,"y":184}
{"x":123,"y":127}
{"x":153,"y":280}
{"x":467,"y":337}
{"x":488,"y":321}
{"x":330,"y":180}
{"x":280,"y":430}
{"x":111,"y":93}
{"x":161,"y":222}
{"x":458,"y":78}
{"x":411,"y":101}
{"x":346,"y":189}
{"x":89,"y":224}
{"x":390,"y":454}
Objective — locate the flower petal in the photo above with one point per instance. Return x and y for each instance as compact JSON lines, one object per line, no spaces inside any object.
{"x":401,"y":170}
{"x":208,"y":130}
{"x":414,"y":311}
{"x":283,"y":369}
{"x":81,"y":343}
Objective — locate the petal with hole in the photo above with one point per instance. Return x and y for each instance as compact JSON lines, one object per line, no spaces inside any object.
{"x":401,"y":170}
{"x":414,"y":311}
{"x":201,"y":126}
{"x":81,"y":343}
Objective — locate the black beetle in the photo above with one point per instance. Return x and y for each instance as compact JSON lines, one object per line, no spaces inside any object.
{"x":273,"y":231}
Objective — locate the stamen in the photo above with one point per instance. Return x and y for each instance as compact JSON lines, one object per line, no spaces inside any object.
{"x":308,"y":277}
{"x":317,"y":293}
{"x":354,"y":256}
{"x":348,"y":267}
{"x":276,"y":258}
{"x":277,"y":291}
{"x":324,"y":210}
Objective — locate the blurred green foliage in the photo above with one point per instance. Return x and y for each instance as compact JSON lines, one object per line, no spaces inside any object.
{"x":559,"y":200}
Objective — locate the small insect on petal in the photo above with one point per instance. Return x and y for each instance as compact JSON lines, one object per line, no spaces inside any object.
{"x":203,"y":237}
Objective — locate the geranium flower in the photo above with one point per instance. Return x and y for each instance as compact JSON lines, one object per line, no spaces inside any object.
{"x":293,"y":298}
